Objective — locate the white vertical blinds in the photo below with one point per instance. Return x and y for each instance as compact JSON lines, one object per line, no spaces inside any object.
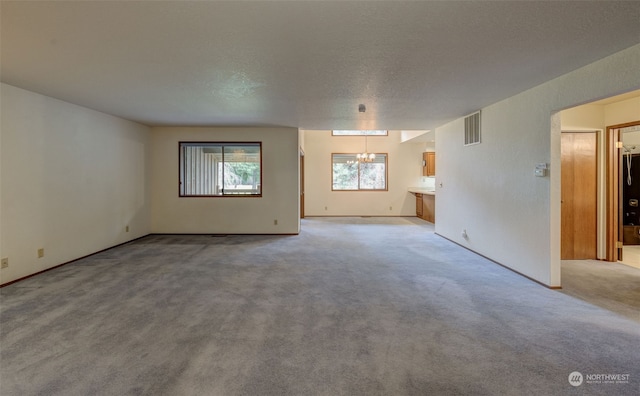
{"x":199,"y":167}
{"x":215,"y":169}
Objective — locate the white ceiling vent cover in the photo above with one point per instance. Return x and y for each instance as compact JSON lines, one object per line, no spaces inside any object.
{"x":472,"y":129}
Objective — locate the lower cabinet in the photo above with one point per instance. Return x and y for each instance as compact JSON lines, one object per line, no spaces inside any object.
{"x":426,"y":207}
{"x":429,"y":207}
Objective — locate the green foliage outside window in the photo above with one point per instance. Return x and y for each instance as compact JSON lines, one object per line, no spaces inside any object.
{"x":349,"y":174}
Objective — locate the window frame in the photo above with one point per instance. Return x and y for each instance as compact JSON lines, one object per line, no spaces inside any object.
{"x":386,"y":174}
{"x":386,"y":132}
{"x":220,"y":144}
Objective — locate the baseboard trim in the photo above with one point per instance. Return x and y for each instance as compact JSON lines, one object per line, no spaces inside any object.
{"x":69,"y":262}
{"x":150,"y":234}
{"x":375,"y":215}
{"x":221,"y":234}
{"x":500,"y":264}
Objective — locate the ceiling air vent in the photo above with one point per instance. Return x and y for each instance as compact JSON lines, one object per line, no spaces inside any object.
{"x":472,"y":129}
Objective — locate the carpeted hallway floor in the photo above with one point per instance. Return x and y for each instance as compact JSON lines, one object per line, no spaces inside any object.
{"x":351,"y":306}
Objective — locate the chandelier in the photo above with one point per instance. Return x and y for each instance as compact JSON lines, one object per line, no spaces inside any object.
{"x":366,"y":156}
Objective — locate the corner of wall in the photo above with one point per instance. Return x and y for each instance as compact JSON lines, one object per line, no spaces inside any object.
{"x":87,"y":186}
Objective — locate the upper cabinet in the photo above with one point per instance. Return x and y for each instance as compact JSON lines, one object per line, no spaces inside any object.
{"x":429,"y":163}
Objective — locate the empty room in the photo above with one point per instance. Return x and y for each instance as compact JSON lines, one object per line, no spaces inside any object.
{"x":319,"y":197}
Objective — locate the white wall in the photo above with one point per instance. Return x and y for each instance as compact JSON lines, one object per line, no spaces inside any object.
{"x":229,"y":215}
{"x":598,"y":116}
{"x":631,"y":139}
{"x":490,"y":189}
{"x":72,"y":179}
{"x":404,"y":170}
{"x":415,"y":135}
{"x":622,"y":112}
{"x":585,"y":117}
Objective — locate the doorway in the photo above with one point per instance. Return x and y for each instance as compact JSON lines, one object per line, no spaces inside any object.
{"x":623,"y":193}
{"x":579,"y":206}
{"x":626,"y":157}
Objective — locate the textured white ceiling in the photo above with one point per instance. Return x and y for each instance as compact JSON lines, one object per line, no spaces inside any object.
{"x":306,"y":64}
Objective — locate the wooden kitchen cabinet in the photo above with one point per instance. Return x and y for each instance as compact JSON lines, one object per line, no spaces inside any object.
{"x":429,"y":208}
{"x":429,"y":163}
{"x":426,"y":207}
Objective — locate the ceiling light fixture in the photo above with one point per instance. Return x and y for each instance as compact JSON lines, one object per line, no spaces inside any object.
{"x":366,"y":156}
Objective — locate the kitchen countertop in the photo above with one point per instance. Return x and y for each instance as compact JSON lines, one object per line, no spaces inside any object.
{"x":421,"y":190}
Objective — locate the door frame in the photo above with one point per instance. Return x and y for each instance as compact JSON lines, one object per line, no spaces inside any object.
{"x":614,"y":197}
{"x":301,"y":183}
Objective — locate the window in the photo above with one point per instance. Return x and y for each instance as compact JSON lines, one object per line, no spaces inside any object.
{"x":349,"y":174}
{"x":358,"y":133}
{"x":220,"y":169}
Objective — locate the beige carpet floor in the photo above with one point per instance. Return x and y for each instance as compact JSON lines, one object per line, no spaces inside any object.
{"x":351,"y":306}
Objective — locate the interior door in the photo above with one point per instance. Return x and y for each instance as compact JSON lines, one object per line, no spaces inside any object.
{"x":579,"y":196}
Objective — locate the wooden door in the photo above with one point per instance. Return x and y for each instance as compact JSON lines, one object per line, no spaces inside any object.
{"x":579,"y":196}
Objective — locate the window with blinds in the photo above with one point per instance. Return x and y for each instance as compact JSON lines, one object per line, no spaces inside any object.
{"x":220,"y":169}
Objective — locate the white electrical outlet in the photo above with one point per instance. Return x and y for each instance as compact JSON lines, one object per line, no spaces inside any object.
{"x":40,"y":252}
{"x":464,"y":234}
{"x":275,"y":222}
{"x":126,"y":229}
{"x":5,"y":262}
